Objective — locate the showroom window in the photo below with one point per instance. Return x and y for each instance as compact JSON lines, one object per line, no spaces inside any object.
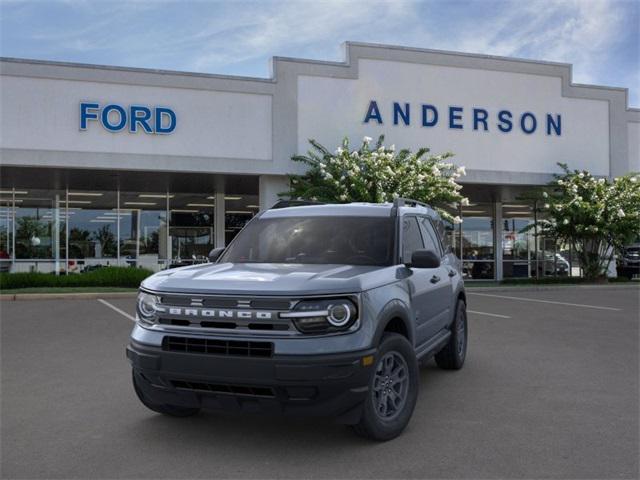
{"x":91,"y":229}
{"x":239,"y":209}
{"x":518,"y":241}
{"x":144,"y":235}
{"x":85,"y":230}
{"x":478,"y":253}
{"x":6,"y":229}
{"x":192,"y":230}
{"x":40,"y":229}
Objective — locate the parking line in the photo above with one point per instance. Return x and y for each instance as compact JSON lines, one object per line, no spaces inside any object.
{"x":488,"y":314}
{"x":544,"y":301}
{"x":116,"y":309}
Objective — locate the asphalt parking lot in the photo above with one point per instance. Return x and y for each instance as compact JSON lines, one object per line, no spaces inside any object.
{"x":549,"y":390}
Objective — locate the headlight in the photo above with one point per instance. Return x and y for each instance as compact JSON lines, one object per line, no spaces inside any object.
{"x":323,"y":316}
{"x":146,"y":307}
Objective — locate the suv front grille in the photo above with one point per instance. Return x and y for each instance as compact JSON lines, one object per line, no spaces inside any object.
{"x":233,"y":314}
{"x":247,"y":390}
{"x":226,"y":302}
{"x":217,"y":347}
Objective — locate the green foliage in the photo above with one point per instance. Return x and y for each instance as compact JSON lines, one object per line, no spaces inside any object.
{"x":101,"y":277}
{"x":596,"y":216}
{"x":377,"y":174}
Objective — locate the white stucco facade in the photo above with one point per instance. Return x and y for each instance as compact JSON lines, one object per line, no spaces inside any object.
{"x":329,"y":108}
{"x":253,"y":126}
{"x":509,"y":121}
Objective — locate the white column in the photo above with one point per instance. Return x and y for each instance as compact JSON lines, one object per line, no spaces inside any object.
{"x":218,"y":219}
{"x":56,"y":236}
{"x":269,"y":188}
{"x":498,"y":240}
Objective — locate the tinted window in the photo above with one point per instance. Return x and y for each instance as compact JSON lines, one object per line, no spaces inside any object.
{"x":411,"y":238}
{"x":319,"y":240}
{"x":445,"y":238}
{"x":430,"y":239}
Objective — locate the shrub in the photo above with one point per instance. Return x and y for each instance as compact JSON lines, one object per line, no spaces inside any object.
{"x":596,"y":216}
{"x":557,"y":281}
{"x":102,"y":277}
{"x":377,"y":174}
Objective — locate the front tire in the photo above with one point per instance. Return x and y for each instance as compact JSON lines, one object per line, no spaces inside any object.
{"x":393,"y":390}
{"x":170,"y":410}
{"x":452,"y":356}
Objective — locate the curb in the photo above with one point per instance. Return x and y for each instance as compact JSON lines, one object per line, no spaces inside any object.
{"x":66,"y":296}
{"x":541,"y":288}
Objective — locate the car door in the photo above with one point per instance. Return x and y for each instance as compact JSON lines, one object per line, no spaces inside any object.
{"x":422,"y":287}
{"x":442,"y":279}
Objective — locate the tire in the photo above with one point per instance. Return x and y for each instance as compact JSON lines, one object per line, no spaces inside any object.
{"x":453,"y":354}
{"x":385,"y":415}
{"x":170,"y":410}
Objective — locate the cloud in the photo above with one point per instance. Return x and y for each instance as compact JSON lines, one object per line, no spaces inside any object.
{"x":274,"y":28}
{"x":600,"y":38}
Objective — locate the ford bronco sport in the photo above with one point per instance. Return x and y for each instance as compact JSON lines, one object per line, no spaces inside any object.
{"x":313,"y":310}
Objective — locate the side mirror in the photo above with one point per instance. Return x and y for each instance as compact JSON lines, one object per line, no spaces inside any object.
{"x":215,"y":254}
{"x":424,"y":259}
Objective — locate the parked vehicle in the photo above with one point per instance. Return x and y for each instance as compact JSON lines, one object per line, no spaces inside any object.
{"x":311,"y":310}
{"x":5,"y":262}
{"x":628,"y":263}
{"x":551,"y":265}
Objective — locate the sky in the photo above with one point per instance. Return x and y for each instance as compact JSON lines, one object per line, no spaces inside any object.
{"x":600,"y":38}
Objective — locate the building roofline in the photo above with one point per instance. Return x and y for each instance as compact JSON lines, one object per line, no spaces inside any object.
{"x":118,"y":68}
{"x":347,"y":62}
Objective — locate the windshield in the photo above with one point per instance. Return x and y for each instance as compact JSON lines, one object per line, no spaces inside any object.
{"x":332,"y":240}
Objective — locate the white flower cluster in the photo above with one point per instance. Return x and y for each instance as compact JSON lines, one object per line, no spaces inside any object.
{"x":593,"y":214}
{"x":375,"y":173}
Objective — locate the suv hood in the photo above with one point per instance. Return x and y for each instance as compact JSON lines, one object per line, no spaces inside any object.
{"x":270,"y":279}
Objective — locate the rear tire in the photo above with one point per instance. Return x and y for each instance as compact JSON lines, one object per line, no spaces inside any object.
{"x":393,"y":390}
{"x":170,"y":410}
{"x":452,"y":356}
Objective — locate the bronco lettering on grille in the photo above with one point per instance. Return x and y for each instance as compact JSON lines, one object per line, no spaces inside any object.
{"x":216,"y":313}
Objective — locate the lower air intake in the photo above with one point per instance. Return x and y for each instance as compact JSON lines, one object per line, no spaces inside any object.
{"x":218,"y":347}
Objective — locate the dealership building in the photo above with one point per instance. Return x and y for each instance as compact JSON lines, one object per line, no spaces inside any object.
{"x":105,"y":165}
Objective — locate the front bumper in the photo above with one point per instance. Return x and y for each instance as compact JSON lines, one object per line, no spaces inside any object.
{"x":332,"y":385}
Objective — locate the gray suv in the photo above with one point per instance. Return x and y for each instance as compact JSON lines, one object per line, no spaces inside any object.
{"x":311,"y":310}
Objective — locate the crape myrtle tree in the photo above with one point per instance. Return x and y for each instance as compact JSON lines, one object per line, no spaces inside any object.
{"x":597,"y":217}
{"x":375,"y":173}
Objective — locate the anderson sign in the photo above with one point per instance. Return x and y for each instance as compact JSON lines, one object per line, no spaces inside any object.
{"x":460,"y":118}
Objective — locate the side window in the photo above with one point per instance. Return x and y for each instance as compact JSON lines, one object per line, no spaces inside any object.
{"x":411,"y":238}
{"x":445,"y":238}
{"x":431,"y":241}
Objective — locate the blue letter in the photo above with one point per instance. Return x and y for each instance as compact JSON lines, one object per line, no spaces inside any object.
{"x":397,"y":111}
{"x":480,"y":116}
{"x":171,"y":126}
{"x":86,"y":115}
{"x":557,"y":125}
{"x":373,"y":112}
{"x":105,"y":118}
{"x":425,"y":116}
{"x":523,"y":123}
{"x":455,"y":113}
{"x":505,"y":124}
{"x":143,"y":119}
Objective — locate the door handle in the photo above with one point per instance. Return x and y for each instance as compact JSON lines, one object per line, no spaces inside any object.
{"x":435,"y":279}
{"x":452,"y":273}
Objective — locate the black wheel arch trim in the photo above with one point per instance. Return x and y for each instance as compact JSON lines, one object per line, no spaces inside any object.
{"x":392,"y":310}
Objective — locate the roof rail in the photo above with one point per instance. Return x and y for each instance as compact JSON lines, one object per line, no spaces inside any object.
{"x":294,"y":203}
{"x":401,"y":202}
